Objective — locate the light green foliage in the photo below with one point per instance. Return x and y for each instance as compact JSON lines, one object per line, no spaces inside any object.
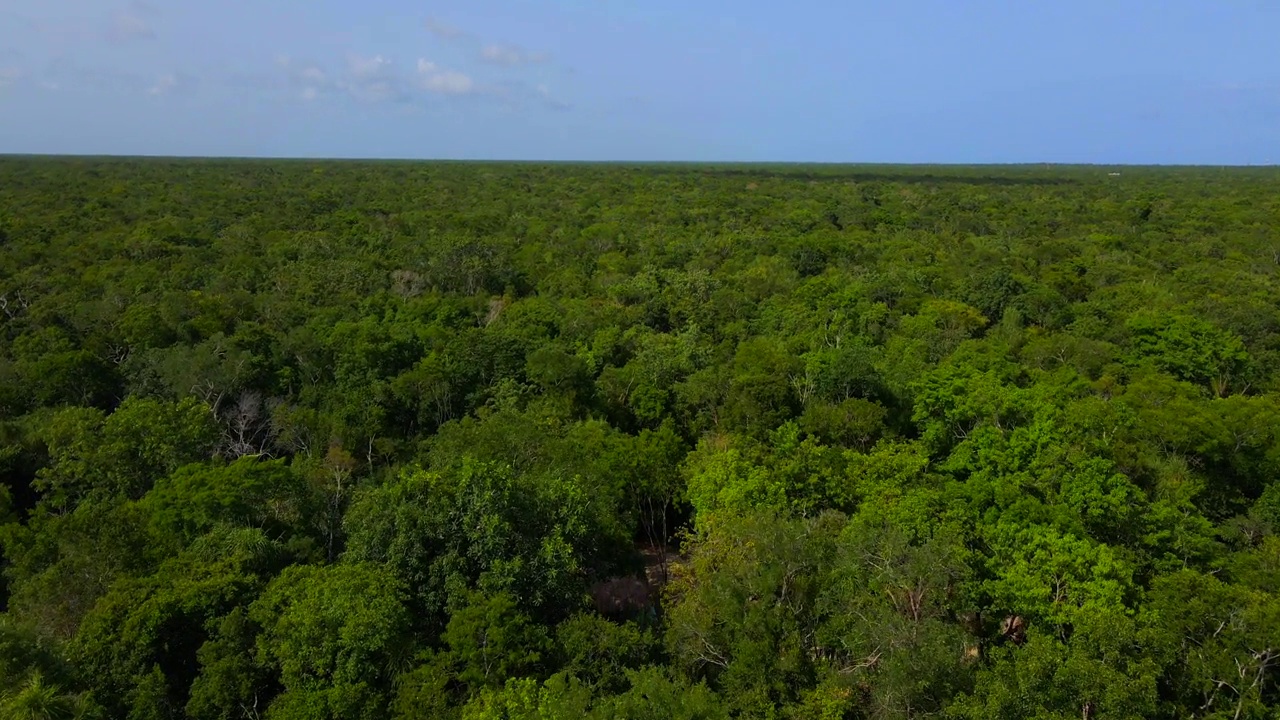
{"x":247,"y":492}
{"x":721,"y":479}
{"x":38,"y":699}
{"x":655,"y":695}
{"x":333,"y":634}
{"x":560,"y":698}
{"x":652,"y":695}
{"x":885,"y":634}
{"x":491,"y":640}
{"x":1190,"y":349}
{"x":1053,"y":577}
{"x":743,"y":610}
{"x":480,"y":527}
{"x":966,"y":395}
{"x":121,"y":454}
{"x":759,"y":396}
{"x":851,"y":423}
{"x":924,"y":339}
{"x":599,"y":652}
{"x":891,"y":485}
{"x":1102,"y":672}
{"x":794,"y":473}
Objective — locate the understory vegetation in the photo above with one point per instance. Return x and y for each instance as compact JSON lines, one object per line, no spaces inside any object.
{"x":358,"y":440}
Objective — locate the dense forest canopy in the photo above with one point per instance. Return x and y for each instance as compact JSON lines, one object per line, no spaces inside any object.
{"x":303,"y":439}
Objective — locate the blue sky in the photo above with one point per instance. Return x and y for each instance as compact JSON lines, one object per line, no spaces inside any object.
{"x":1114,"y":81}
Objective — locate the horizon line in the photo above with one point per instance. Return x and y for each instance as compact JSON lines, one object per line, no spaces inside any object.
{"x":515,"y":161}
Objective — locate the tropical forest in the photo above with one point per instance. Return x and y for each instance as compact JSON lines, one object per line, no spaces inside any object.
{"x":366,"y":440}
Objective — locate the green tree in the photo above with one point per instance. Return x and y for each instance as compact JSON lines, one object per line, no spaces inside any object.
{"x":491,"y":640}
{"x":333,"y":635}
{"x":140,"y":644}
{"x":124,"y":453}
{"x":1191,"y":349}
{"x":743,"y":612}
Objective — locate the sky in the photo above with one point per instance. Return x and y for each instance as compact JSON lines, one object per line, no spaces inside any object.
{"x":912,"y":81}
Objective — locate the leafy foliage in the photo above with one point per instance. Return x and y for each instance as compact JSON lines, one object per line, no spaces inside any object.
{"x":366,"y":440}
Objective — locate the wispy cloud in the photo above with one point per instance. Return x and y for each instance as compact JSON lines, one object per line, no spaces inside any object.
{"x":313,"y":81}
{"x":436,"y":79}
{"x":379,"y":78}
{"x":68,"y":73}
{"x":136,"y":22}
{"x":516,"y":95}
{"x":165,"y":84}
{"x":313,"y":76}
{"x":443,"y":30}
{"x":368,"y":78}
{"x":304,"y":79}
{"x":173,"y":83}
{"x":9,"y":76}
{"x":544,"y":93}
{"x":367,"y":67}
{"x":372,"y":79}
{"x":510,"y":55}
{"x":493,"y":53}
{"x":126,"y":27}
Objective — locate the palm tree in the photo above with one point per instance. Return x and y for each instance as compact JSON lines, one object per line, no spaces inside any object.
{"x":37,"y":699}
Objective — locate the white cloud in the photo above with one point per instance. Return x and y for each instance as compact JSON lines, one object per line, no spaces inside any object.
{"x":100,"y":77}
{"x":133,"y":23}
{"x":370,"y":91}
{"x":510,"y":55}
{"x":443,"y":30}
{"x":309,"y":81}
{"x":547,"y":97}
{"x":373,"y":79}
{"x":9,"y":76}
{"x":164,"y":85}
{"x":378,"y":78}
{"x":125,"y":27}
{"x":362,"y":67}
{"x":544,"y":93}
{"x":313,"y":75}
{"x":517,"y":95}
{"x":173,"y":84}
{"x":433,"y":78}
{"x":492,"y":52}
{"x":449,"y":83}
